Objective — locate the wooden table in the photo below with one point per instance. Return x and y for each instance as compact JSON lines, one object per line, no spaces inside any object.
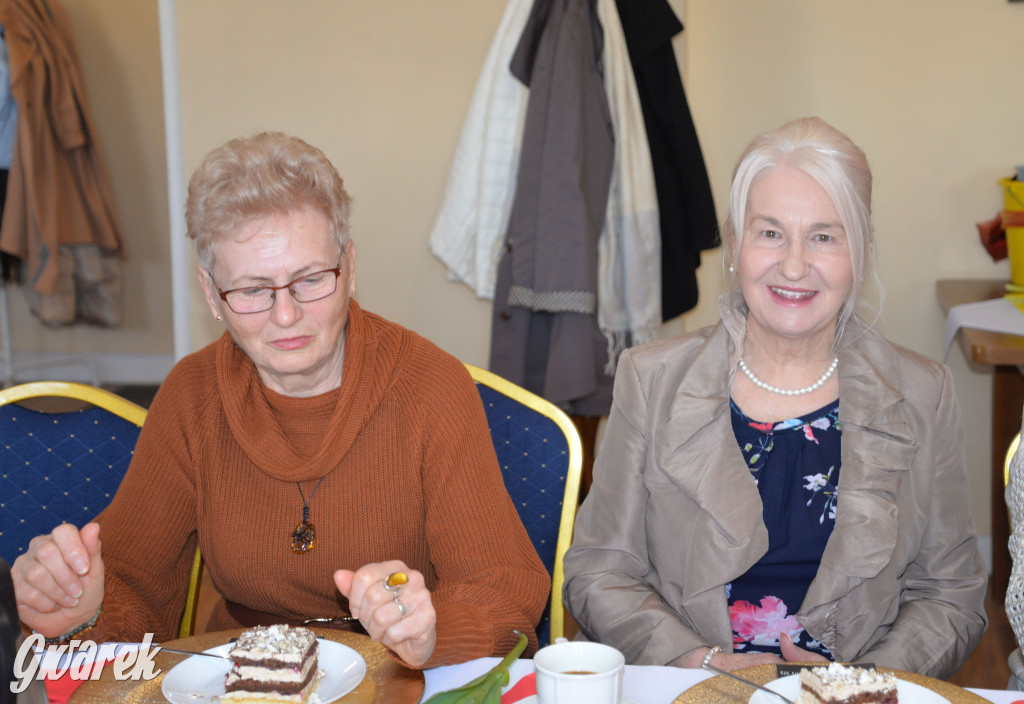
{"x":1005,"y":354}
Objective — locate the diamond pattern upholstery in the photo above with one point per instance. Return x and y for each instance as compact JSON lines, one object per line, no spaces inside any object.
{"x":534,"y":458}
{"x":539,"y":452}
{"x":57,"y":468}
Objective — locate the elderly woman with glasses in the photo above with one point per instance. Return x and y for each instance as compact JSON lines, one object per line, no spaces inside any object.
{"x":327,"y":462}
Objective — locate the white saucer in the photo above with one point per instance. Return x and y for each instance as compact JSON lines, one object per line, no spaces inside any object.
{"x":199,"y":680}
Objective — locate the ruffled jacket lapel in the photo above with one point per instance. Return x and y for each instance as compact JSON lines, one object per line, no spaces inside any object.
{"x":256,"y":429}
{"x":878,"y":448}
{"x":698,"y":424}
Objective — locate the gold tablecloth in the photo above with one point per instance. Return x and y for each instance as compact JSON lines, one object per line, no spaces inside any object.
{"x":386,"y":681}
{"x":723,"y":690}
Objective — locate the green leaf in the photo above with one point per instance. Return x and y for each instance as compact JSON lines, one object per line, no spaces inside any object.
{"x":482,"y":689}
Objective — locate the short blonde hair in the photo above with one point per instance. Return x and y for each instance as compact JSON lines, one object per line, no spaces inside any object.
{"x":252,"y":177}
{"x":837,"y":164}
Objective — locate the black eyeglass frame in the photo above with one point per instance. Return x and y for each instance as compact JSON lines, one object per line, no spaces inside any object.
{"x":274,"y":289}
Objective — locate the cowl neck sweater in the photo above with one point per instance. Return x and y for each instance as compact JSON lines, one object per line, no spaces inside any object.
{"x":254,"y":412}
{"x":409,"y":473}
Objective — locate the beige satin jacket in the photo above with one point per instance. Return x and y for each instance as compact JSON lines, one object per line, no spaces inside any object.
{"x":673,"y":514}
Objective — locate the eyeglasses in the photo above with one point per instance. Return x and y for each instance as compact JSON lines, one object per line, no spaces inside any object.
{"x":305,"y":289}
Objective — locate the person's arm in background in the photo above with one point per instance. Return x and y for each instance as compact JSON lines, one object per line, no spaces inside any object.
{"x":1014,"y":602}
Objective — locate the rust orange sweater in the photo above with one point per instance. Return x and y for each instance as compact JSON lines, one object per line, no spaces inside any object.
{"x":408,"y":471}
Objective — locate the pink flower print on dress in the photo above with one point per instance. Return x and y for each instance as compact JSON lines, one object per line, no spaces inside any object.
{"x":809,"y":434}
{"x":761,"y":625}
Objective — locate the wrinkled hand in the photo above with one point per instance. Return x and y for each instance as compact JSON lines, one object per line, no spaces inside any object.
{"x":58,"y":582}
{"x":411,"y":636}
{"x":791,"y":653}
{"x":727,"y":661}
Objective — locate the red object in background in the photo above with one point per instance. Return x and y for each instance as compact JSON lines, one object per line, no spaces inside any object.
{"x":993,"y":237}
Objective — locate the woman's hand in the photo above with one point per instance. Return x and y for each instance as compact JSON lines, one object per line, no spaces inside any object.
{"x":58,"y":582}
{"x":726,"y":661}
{"x":736,"y":661}
{"x":791,"y":653}
{"x":411,"y":635}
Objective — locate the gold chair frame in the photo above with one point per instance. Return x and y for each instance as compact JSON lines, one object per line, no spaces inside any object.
{"x":1010,"y":452}
{"x":108,"y":400}
{"x":1007,"y":460}
{"x":571,"y":495}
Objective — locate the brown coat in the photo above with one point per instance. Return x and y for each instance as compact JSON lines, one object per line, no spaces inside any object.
{"x":673,"y":515}
{"x":58,"y":192}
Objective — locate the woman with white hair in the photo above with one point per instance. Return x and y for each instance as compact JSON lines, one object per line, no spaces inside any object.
{"x":786,"y":484}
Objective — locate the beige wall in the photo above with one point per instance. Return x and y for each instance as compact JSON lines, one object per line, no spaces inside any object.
{"x":924,"y":87}
{"x":383,"y":92}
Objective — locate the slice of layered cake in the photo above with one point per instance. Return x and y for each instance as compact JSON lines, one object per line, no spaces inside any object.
{"x":273,"y":665}
{"x":840,"y":684}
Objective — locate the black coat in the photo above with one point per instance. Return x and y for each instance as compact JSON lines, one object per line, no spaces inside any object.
{"x":685,"y":204}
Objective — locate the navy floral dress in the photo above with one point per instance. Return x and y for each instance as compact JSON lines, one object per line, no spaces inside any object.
{"x":795,"y":464}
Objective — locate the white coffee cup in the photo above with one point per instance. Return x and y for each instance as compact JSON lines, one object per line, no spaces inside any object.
{"x":578,"y":671}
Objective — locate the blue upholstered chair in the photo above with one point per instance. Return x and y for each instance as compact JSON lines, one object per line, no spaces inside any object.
{"x":541,"y":456}
{"x":62,"y":465}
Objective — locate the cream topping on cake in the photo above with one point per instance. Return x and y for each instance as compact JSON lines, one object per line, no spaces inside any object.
{"x":841,"y":684}
{"x":277,"y":643}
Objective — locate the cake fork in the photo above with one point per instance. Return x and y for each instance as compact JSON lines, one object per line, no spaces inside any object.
{"x":711,"y":667}
{"x":191,"y":652}
{"x":342,"y":619}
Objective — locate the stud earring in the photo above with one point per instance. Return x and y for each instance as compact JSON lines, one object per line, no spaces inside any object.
{"x":218,"y":317}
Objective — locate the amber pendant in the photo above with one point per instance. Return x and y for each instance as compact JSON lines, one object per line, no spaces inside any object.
{"x":303,"y":538}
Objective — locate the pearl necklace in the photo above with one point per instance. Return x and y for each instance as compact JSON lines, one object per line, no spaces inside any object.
{"x":791,"y":392}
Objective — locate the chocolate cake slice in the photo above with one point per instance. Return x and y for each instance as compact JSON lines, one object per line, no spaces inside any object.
{"x":273,"y":665}
{"x":841,"y":684}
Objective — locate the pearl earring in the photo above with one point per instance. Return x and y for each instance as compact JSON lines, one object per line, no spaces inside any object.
{"x":732,"y":269}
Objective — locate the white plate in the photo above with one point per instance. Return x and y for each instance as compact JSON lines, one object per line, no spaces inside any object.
{"x":908,"y":692}
{"x":200,"y":680}
{"x":532,"y":699}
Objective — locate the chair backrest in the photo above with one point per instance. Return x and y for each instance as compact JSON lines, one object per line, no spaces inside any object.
{"x":541,"y":456}
{"x":64,"y":466}
{"x":60,"y":467}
